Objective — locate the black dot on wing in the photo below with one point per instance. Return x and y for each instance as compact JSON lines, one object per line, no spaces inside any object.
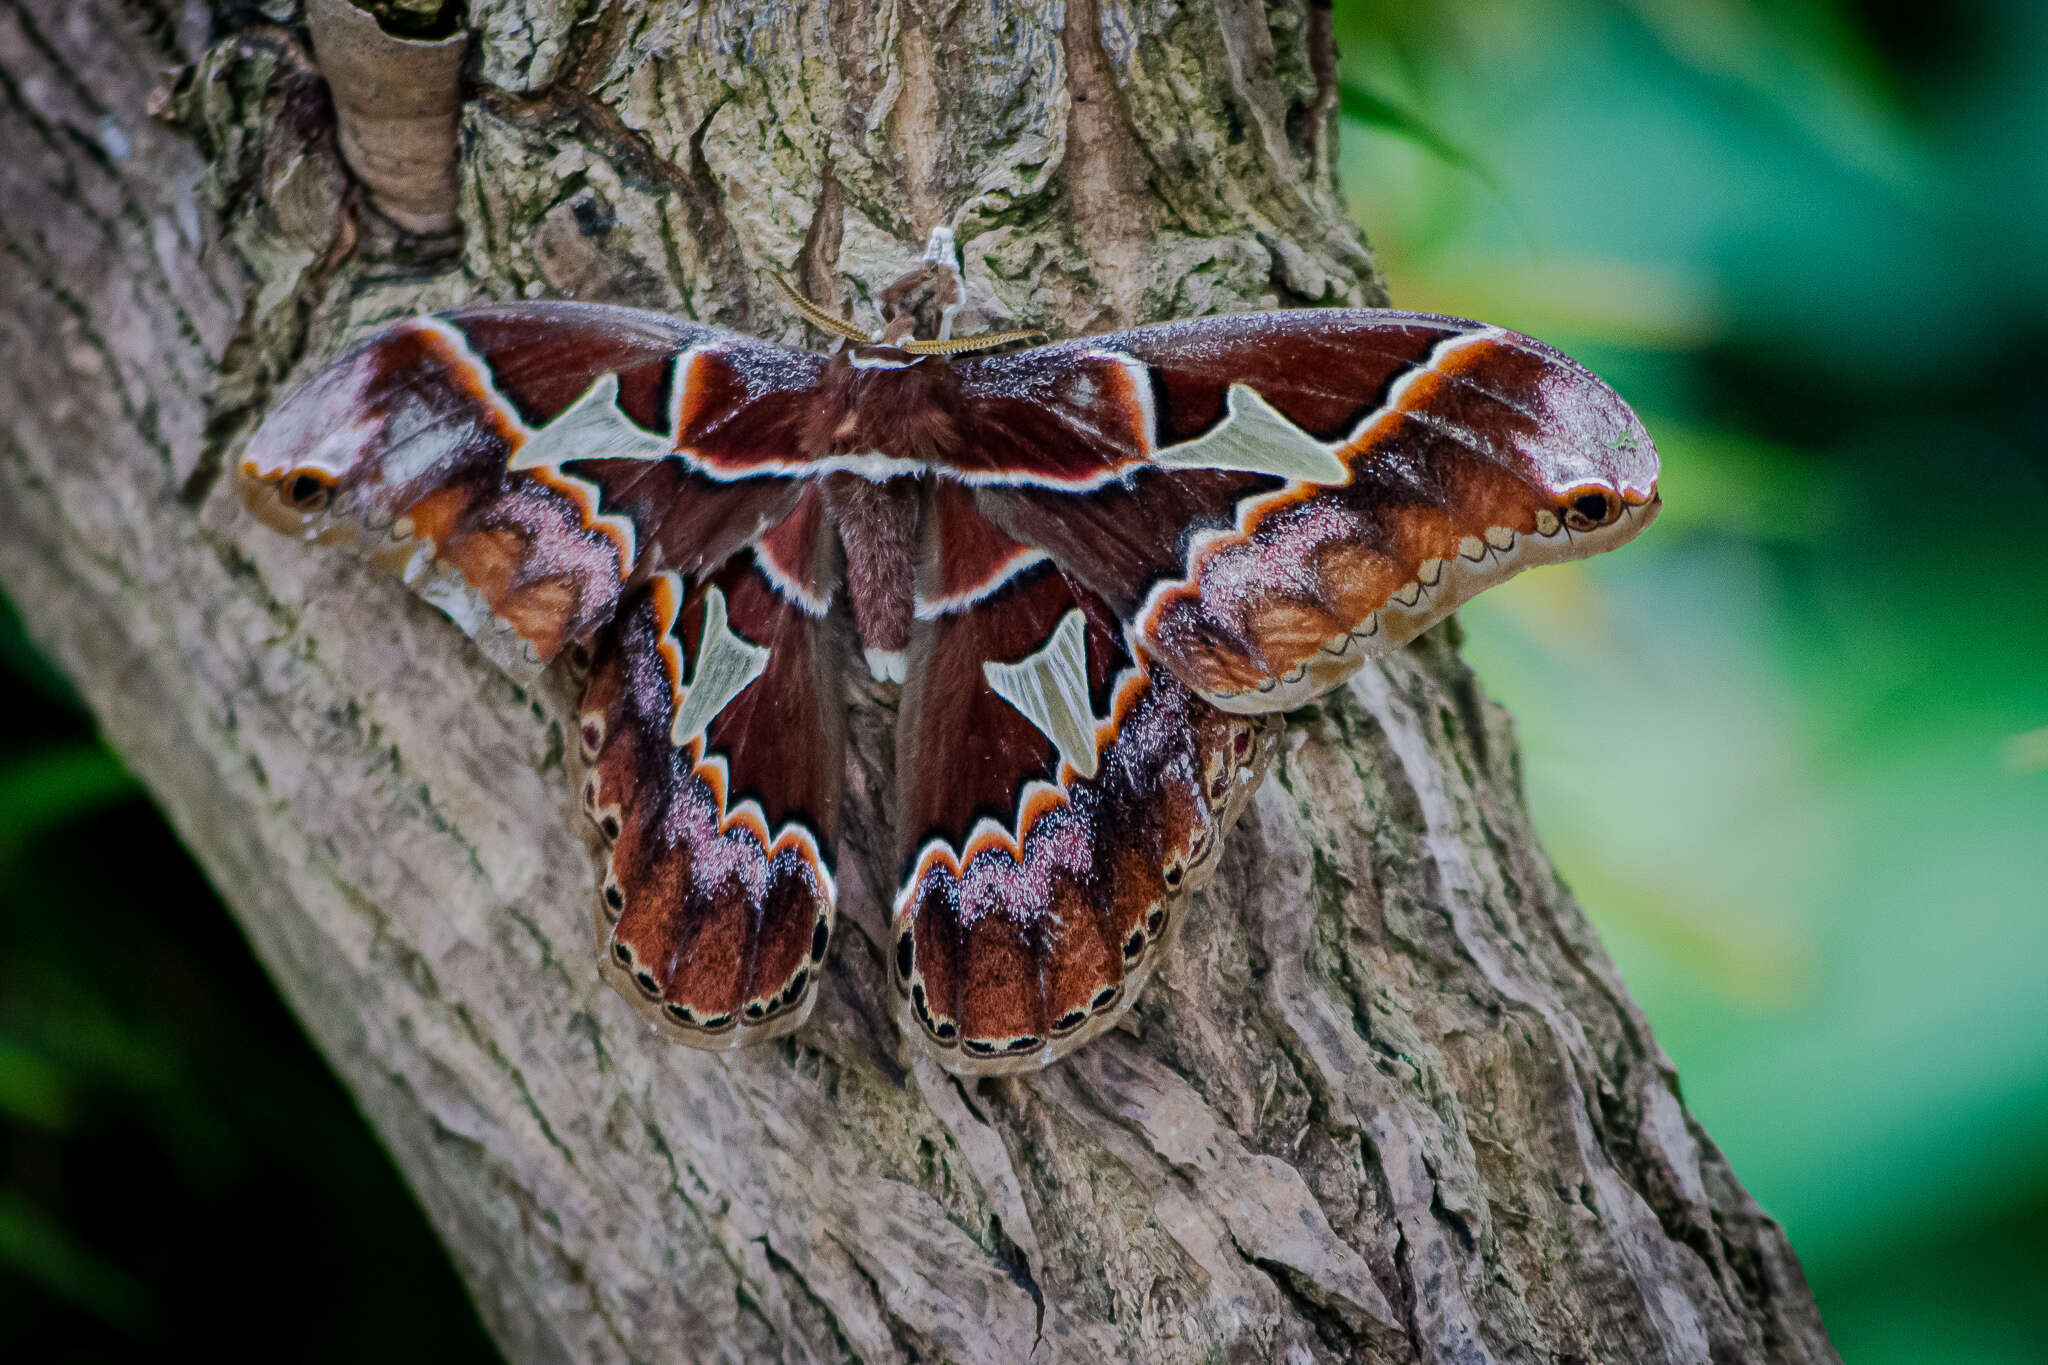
{"x":1134,"y":945}
{"x":306,"y":492}
{"x":1027,"y":1043}
{"x":906,"y":955}
{"x":1070,"y":1021}
{"x":1104,"y":998}
{"x":821,"y":934}
{"x":624,"y":954}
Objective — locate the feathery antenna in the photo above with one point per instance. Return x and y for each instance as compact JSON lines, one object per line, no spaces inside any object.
{"x":987,"y":341}
{"x":818,"y":317}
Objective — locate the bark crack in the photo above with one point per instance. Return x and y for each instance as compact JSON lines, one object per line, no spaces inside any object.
{"x":1100,"y":172}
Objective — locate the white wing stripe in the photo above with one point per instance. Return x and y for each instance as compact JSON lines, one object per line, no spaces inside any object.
{"x":726,"y":664}
{"x":1256,"y":439}
{"x":1051,"y":688}
{"x":592,"y":427}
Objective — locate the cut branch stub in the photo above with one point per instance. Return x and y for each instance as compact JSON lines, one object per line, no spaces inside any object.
{"x":398,"y":102}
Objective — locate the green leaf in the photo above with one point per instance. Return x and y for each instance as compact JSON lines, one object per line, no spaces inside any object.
{"x":44,"y":790}
{"x":34,"y":1089}
{"x":41,"y":1251}
{"x":1362,"y":106}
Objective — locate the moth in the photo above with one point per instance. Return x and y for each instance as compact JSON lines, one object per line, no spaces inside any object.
{"x":1098,"y":568}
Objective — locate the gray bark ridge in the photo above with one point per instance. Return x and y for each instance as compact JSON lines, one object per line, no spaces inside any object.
{"x":1386,"y":1100}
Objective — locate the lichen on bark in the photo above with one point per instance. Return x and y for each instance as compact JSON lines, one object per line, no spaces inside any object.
{"x":1387,"y":1100}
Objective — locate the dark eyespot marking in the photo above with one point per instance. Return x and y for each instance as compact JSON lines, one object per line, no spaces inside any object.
{"x":755,"y":1009}
{"x":906,"y":955}
{"x":610,"y":826}
{"x":680,"y":1013}
{"x":592,"y":737}
{"x":1070,"y":1021}
{"x":924,"y":1014}
{"x":794,"y":991}
{"x":821,"y":933}
{"x":646,"y":982}
{"x":623,"y":954}
{"x":1174,"y":874}
{"x":306,"y":493}
{"x":1241,"y":743}
{"x":1105,"y":997}
{"x":614,"y":897}
{"x":1134,"y":945}
{"x":1156,"y":920}
{"x":1027,"y":1043}
{"x":717,"y":1022}
{"x":1589,"y":510}
{"x":944,"y":1031}
{"x":980,"y":1047}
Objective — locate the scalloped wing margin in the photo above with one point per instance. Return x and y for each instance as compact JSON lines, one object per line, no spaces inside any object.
{"x":712,"y":728}
{"x":1312,"y":488}
{"x":1060,"y":801}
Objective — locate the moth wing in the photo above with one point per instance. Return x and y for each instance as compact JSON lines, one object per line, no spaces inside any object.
{"x":1269,"y":499}
{"x":712,"y":727}
{"x":1059,"y":802}
{"x":518,"y":464}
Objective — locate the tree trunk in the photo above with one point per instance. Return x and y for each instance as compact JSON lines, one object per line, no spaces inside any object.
{"x":1386,"y":1100}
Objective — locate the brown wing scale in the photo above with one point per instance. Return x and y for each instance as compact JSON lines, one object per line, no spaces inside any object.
{"x":1134,"y":549}
{"x":511,"y":461}
{"x":1040,"y":885}
{"x":1447,"y":456}
{"x":717,"y":898}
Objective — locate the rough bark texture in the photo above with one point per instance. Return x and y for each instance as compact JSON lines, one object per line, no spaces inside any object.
{"x":1387,"y":1099}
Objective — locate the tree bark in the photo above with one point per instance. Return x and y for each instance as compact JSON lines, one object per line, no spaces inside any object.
{"x":1386,"y":1100}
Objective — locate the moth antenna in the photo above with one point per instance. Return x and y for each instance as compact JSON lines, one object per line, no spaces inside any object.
{"x":987,"y":341}
{"x":818,"y":317}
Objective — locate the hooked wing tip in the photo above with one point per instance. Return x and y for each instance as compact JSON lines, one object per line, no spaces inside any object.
{"x":289,"y":471}
{"x":1585,"y":434}
{"x":320,"y":434}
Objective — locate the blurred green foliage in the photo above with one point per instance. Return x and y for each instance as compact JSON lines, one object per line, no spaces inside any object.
{"x":1791,"y":747}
